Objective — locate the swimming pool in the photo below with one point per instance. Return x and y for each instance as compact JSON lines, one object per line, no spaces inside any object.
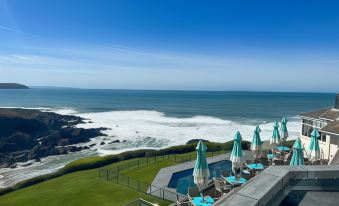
{"x":181,"y":181}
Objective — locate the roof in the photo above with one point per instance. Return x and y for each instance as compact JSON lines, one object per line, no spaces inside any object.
{"x":315,"y":114}
{"x":333,"y":127}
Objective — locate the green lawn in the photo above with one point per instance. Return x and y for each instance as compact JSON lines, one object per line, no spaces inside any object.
{"x":147,"y":174}
{"x":84,"y":188}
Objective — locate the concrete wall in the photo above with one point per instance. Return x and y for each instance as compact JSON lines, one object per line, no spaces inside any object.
{"x":272,"y":185}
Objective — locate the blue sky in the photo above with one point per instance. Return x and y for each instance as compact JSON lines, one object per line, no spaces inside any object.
{"x":189,"y":45}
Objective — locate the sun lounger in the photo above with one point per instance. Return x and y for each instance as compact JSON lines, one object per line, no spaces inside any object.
{"x":193,"y":192}
{"x":221,"y":186}
{"x":225,"y":173}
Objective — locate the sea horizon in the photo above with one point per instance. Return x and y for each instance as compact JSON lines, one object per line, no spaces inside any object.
{"x":178,"y":90}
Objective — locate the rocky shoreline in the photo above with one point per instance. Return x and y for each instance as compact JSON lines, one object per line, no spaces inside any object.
{"x":28,"y":134}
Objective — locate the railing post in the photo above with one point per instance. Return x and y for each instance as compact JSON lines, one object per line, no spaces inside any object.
{"x":163,"y":194}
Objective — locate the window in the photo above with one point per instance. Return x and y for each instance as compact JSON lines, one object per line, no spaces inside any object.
{"x":307,"y":130}
{"x":322,"y":137}
{"x":304,"y":129}
{"x":309,"y":122}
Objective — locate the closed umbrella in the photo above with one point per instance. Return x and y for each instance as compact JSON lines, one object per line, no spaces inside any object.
{"x":298,"y":156}
{"x":201,"y":172}
{"x":275,"y":139}
{"x":284,"y":132}
{"x":256,"y":144}
{"x":237,"y":154}
{"x":313,"y":148}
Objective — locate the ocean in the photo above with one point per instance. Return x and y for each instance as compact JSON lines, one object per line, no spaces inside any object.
{"x":158,"y":119}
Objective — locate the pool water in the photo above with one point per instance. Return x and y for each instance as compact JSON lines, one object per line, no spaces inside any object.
{"x":181,"y":181}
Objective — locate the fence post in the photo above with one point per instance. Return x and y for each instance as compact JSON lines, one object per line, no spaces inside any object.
{"x":163,"y":194}
{"x":106,"y":174}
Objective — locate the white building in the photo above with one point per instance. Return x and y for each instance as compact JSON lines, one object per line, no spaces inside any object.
{"x":327,"y":122}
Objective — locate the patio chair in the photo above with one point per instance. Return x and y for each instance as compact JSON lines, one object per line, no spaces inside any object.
{"x":278,"y":162}
{"x":221,"y":187}
{"x":247,"y":174}
{"x":265,"y":161}
{"x":183,"y":202}
{"x":306,"y":161}
{"x":287,"y":158}
{"x":225,"y":173}
{"x":193,"y":192}
{"x":318,"y":162}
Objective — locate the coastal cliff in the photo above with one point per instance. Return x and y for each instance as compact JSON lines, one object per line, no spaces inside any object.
{"x":27,"y":134}
{"x":12,"y":86}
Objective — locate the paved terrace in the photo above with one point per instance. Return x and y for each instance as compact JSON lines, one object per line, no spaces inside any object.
{"x":273,"y":185}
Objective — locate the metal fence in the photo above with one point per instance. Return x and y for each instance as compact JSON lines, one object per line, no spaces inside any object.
{"x":115,"y":175}
{"x":155,"y":159}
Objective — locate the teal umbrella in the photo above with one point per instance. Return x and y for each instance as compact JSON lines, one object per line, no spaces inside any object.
{"x":298,"y":155}
{"x":256,"y":143}
{"x":284,"y":132}
{"x":313,"y":148}
{"x":275,"y":139}
{"x":201,"y":172}
{"x":237,"y":154}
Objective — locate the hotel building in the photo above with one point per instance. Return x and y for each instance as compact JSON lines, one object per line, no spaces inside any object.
{"x":327,"y":122}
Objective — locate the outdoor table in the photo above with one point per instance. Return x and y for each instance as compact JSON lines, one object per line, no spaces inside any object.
{"x":283,"y":148}
{"x":254,"y":166}
{"x":235,"y":182}
{"x":199,"y":201}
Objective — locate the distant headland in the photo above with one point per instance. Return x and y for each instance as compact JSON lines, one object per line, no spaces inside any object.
{"x":13,"y":86}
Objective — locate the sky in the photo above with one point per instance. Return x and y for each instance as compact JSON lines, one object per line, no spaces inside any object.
{"x":173,"y":45}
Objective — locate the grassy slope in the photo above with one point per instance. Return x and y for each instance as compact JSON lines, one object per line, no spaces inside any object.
{"x":83,"y":188}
